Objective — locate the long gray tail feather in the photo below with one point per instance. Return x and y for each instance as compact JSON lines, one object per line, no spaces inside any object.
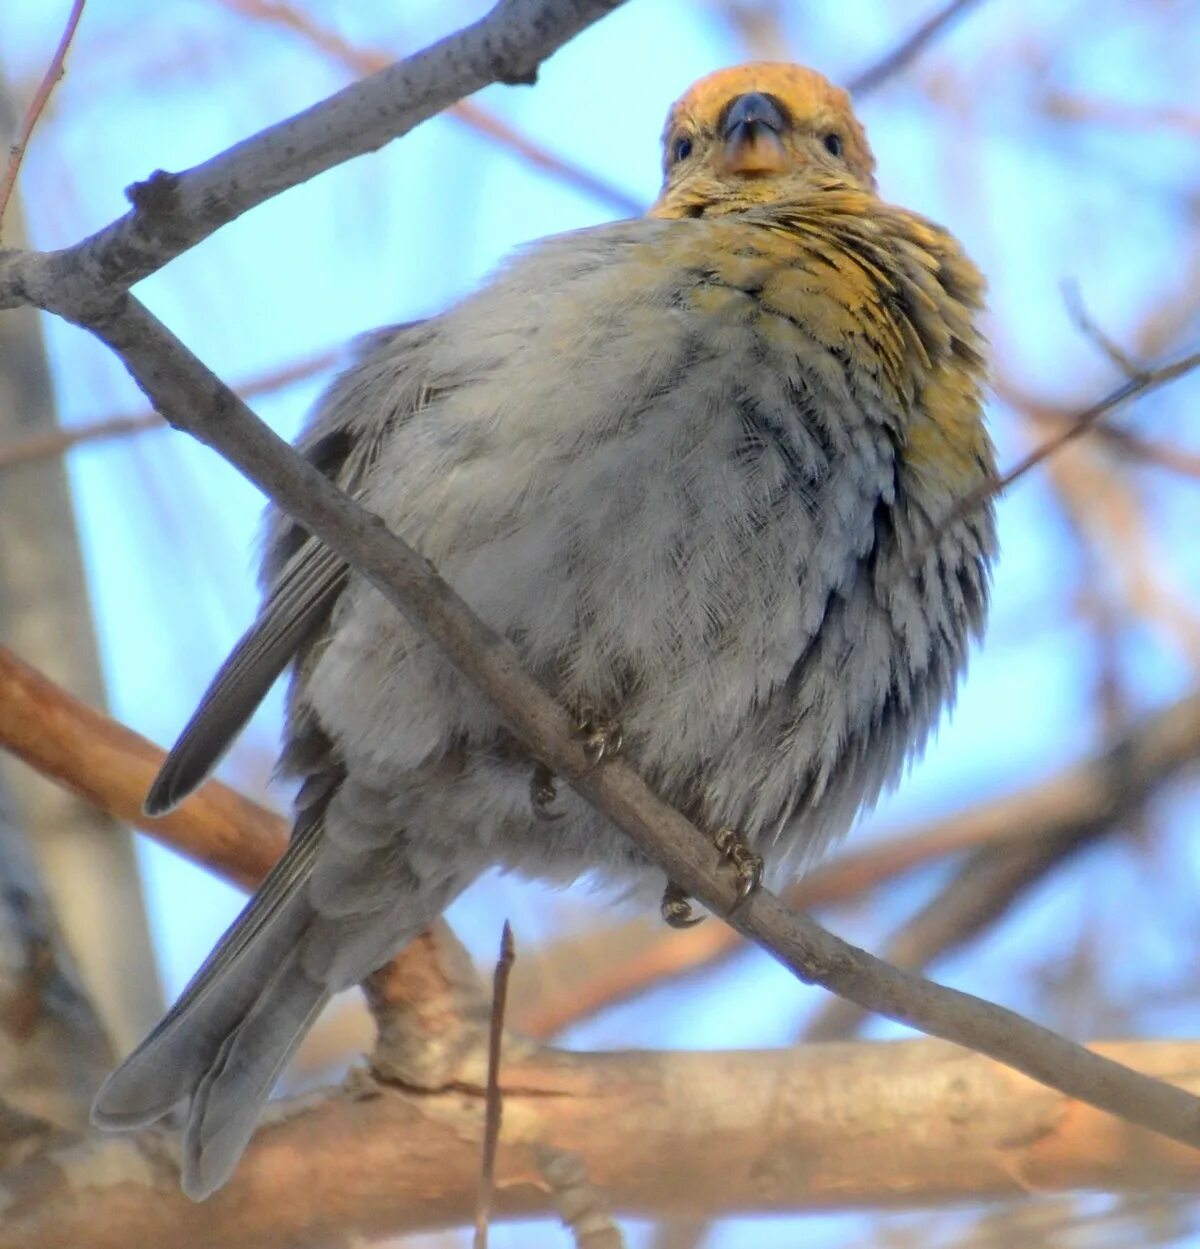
{"x":231,"y":1094}
{"x":300,"y":938}
{"x":236,"y":1024}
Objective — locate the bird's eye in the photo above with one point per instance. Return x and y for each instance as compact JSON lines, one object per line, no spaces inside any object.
{"x":833,"y":144}
{"x":681,"y":149}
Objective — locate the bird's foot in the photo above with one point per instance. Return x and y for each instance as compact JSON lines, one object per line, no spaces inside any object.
{"x":749,"y":866}
{"x":602,"y":737}
{"x":542,"y":792}
{"x":676,"y":906}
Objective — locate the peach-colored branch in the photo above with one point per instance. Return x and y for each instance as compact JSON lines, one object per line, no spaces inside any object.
{"x":112,"y":767}
{"x":818,"y":1127}
{"x":50,"y":80}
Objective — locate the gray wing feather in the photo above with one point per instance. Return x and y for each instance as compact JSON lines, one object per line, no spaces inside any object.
{"x":304,"y":578}
{"x":291,"y":616}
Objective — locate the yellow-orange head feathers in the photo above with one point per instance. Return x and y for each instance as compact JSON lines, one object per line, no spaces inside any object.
{"x":746,"y":135}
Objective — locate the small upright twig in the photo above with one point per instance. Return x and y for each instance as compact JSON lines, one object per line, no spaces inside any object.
{"x":495,"y":1104}
{"x":53,"y":73}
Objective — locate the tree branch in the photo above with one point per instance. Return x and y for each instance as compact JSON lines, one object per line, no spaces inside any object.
{"x":172,"y":212}
{"x":884,"y":1125}
{"x":908,"y":49}
{"x":111,"y":767}
{"x":362,"y":60}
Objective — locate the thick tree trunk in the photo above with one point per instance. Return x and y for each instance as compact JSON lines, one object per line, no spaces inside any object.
{"x":85,"y":859}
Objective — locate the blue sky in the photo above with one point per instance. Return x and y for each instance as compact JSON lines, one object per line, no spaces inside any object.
{"x":966,"y":136}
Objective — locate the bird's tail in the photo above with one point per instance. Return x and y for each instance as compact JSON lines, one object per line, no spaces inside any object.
{"x":311,"y":929}
{"x":234,"y":1028}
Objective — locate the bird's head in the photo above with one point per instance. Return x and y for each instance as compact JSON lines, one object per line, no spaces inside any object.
{"x":753,"y":134}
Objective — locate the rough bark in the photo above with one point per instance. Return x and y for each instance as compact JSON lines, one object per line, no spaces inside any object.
{"x":886,"y":1126}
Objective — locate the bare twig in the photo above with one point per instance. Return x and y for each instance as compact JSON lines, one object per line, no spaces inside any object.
{"x":1124,"y":441}
{"x":1134,"y":387}
{"x":473,"y":116}
{"x":61,"y":440}
{"x":495,"y":1100}
{"x":54,"y":72}
{"x":1090,"y":329}
{"x":173,"y":212}
{"x":908,"y":49}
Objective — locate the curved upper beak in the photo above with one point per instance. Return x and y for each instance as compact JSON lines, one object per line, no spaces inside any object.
{"x":753,"y":130}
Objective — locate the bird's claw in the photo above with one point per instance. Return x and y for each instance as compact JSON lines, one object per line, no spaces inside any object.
{"x":676,"y":905}
{"x":748,"y":865}
{"x":677,"y":908}
{"x":602,"y":737}
{"x":542,"y":792}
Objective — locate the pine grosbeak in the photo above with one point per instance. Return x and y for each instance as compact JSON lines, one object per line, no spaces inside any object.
{"x":698,"y":467}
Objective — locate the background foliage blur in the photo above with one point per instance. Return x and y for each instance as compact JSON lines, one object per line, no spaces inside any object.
{"x":1061,"y":142}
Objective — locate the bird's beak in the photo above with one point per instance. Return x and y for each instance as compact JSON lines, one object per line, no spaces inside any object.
{"x":753,"y":133}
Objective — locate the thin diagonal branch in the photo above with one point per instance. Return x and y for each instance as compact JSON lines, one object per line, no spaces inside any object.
{"x":1131,"y":388}
{"x":40,"y":446}
{"x":907,"y":51}
{"x":174,"y":211}
{"x":1092,"y":794}
{"x":474,"y":116}
{"x":54,"y":72}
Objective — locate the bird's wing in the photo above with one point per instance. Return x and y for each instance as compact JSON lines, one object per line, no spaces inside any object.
{"x":304,"y":577}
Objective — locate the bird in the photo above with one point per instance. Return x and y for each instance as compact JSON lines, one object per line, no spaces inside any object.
{"x":705,"y":469}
